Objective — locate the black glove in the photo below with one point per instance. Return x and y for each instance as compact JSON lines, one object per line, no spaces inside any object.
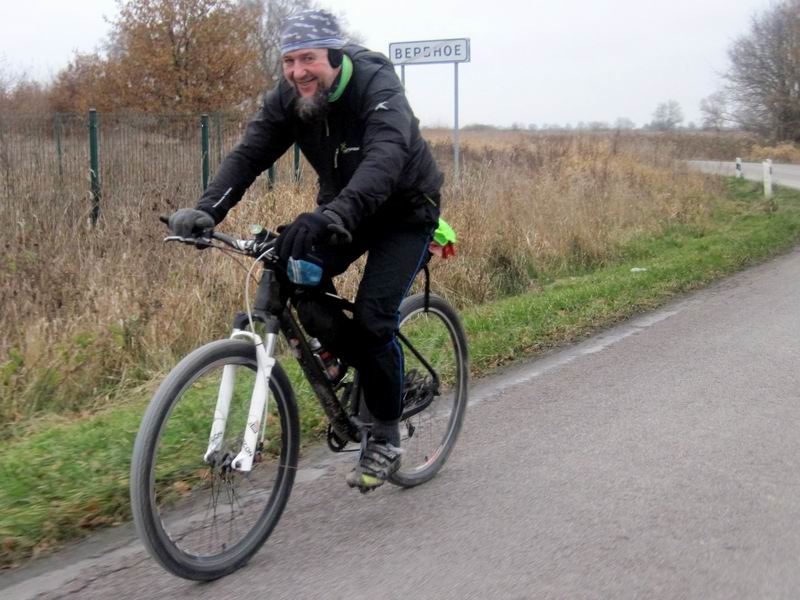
{"x":190,"y":222}
{"x":337,"y":232}
{"x":307,"y":230}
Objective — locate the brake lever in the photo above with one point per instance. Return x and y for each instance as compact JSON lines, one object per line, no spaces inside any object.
{"x":192,"y":241}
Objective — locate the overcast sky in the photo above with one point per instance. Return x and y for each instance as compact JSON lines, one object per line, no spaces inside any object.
{"x":561,"y":61}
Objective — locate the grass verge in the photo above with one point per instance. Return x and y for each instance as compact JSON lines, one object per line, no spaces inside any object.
{"x":68,"y":478}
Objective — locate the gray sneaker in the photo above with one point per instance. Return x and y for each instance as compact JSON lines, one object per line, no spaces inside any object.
{"x":379,"y":461}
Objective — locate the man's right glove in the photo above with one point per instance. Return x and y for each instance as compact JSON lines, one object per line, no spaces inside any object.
{"x":190,"y":222}
{"x":309,"y":229}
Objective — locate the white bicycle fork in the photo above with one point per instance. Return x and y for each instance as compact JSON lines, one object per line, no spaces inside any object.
{"x":257,"y":417}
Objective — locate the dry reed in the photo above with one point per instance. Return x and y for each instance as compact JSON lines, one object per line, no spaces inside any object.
{"x":89,"y":311}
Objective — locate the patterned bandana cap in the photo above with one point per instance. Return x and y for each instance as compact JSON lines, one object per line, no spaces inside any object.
{"x":311,"y":29}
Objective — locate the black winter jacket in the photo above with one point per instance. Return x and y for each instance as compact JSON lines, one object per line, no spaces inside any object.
{"x":373,"y":165}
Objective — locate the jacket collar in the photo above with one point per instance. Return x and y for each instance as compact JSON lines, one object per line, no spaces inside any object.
{"x":342,"y":80}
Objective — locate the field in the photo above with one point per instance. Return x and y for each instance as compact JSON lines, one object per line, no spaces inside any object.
{"x":88,"y":311}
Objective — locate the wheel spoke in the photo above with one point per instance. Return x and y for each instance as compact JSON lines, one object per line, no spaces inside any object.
{"x":438,"y":343}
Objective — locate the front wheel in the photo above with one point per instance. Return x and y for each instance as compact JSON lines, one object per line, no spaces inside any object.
{"x":197,"y":515}
{"x":436,"y":386}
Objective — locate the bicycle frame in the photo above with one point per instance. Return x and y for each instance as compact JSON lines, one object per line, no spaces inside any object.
{"x":272,"y":309}
{"x":266,"y":306}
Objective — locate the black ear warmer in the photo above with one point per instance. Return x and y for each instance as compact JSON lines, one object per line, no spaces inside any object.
{"x":335,"y":57}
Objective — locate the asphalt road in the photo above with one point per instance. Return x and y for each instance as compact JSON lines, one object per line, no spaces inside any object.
{"x":658,"y":459}
{"x":788,"y":175}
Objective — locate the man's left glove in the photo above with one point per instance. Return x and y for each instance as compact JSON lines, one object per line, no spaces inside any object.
{"x":190,"y":222}
{"x":307,"y":230}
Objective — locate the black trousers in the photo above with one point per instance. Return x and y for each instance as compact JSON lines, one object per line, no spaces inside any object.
{"x":368,"y":340}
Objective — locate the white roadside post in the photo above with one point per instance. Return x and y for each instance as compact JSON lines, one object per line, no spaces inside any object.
{"x":434,"y":51}
{"x":767,"y":165}
{"x":738,"y":168}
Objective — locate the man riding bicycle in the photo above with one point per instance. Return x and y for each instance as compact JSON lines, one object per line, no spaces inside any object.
{"x":378,"y":194}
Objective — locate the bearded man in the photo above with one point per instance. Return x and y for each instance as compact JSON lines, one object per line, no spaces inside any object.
{"x":378,"y":192}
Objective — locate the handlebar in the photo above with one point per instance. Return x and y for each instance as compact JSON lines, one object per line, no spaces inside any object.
{"x":261,"y":245}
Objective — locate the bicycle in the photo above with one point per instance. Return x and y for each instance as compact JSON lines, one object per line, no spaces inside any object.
{"x":215,"y":457}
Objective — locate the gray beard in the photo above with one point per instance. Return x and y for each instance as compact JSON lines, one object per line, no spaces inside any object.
{"x":313,"y":108}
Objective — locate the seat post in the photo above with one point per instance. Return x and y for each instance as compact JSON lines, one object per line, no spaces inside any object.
{"x":427,"y":287}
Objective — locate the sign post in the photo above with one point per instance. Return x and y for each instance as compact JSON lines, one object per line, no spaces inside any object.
{"x":434,"y":52}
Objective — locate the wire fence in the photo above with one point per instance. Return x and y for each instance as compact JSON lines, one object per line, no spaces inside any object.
{"x":49,"y":156}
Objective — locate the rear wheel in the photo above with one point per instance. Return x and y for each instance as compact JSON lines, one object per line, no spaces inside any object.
{"x":202,"y":519}
{"x":436,"y":385}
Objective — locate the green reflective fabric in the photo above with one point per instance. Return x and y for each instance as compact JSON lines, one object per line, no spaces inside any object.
{"x":347,"y":73}
{"x":444,"y":234}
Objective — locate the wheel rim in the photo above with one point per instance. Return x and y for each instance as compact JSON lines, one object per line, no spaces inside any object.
{"x":211,"y":511}
{"x":427,"y":435}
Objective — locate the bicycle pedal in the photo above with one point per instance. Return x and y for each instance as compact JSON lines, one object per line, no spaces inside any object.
{"x":364,"y":489}
{"x":360,"y":488}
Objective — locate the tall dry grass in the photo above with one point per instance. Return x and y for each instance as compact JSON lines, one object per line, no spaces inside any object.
{"x":544,"y":205}
{"x":87,"y":312}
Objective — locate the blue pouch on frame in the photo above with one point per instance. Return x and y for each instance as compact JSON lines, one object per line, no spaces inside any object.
{"x":303,"y":272}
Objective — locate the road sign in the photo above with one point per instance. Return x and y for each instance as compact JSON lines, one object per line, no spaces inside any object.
{"x":430,"y":51}
{"x":434,"y":51}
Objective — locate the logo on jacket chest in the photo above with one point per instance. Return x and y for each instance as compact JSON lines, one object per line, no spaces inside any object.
{"x":344,"y":149}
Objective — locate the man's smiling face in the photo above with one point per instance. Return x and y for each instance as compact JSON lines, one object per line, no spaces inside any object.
{"x":309,"y":71}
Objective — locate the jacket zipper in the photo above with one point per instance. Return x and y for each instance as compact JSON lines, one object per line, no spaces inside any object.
{"x":336,"y":152}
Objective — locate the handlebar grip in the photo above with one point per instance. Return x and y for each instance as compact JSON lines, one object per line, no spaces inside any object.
{"x":224,"y":238}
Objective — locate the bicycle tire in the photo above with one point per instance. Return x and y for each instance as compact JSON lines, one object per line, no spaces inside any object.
{"x":429,"y":436}
{"x":170,"y":479}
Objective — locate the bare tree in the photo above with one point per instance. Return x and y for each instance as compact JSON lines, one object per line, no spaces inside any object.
{"x":8,"y":81}
{"x":6,"y":78}
{"x":597,"y":126}
{"x":271,"y":15}
{"x":624,"y":123}
{"x":19,"y":93}
{"x":667,"y":116}
{"x":764,"y":77}
{"x":714,"y":110}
